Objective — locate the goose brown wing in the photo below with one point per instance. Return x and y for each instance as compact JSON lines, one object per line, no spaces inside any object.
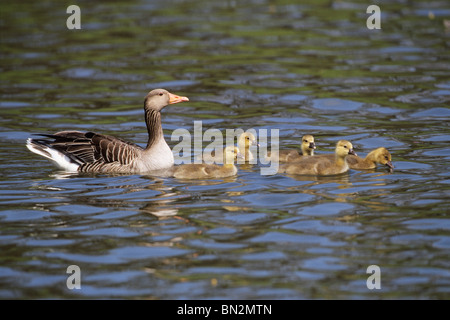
{"x":90,"y":147}
{"x":110,"y":149}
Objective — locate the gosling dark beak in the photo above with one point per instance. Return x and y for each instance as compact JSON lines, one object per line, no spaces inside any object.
{"x":352,"y":152}
{"x":390,"y":165}
{"x":312,"y":145}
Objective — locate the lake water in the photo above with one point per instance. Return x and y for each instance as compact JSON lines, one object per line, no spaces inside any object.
{"x":300,"y":68}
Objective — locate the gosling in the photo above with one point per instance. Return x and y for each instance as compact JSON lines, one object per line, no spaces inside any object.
{"x":204,"y":171}
{"x":376,"y":156}
{"x":307,"y":147}
{"x":322,"y":165}
{"x":245,"y":140}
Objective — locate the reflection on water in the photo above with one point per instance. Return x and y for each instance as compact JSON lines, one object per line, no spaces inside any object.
{"x":299,"y":68}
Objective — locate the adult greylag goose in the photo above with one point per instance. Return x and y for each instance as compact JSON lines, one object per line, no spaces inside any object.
{"x":245,"y":140}
{"x":93,"y":152}
{"x":203,"y":170}
{"x":322,"y":165}
{"x":307,"y":147}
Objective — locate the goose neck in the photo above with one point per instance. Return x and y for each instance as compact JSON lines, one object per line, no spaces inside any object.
{"x":154,"y":128}
{"x":340,"y":160}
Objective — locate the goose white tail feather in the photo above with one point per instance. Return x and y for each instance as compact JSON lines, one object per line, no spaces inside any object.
{"x":57,"y":157}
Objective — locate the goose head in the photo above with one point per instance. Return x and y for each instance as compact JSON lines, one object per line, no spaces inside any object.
{"x":382,"y":156}
{"x":308,"y":145}
{"x":344,"y":148}
{"x":159,"y":98}
{"x":231,"y":153}
{"x":246,"y":140}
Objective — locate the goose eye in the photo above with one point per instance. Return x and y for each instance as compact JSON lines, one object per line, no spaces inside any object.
{"x":345,"y":147}
{"x":161,"y":94}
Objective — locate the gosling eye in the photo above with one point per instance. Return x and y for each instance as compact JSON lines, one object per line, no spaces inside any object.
{"x":345,"y":147}
{"x":386,"y":157}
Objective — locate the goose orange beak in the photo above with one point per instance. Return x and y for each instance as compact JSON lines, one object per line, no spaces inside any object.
{"x":175,"y":99}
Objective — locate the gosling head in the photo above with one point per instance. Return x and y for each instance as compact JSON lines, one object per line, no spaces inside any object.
{"x":344,"y":148}
{"x":382,"y":156}
{"x":231,"y":154}
{"x":308,"y":145}
{"x":246,"y":140}
{"x":159,"y":98}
